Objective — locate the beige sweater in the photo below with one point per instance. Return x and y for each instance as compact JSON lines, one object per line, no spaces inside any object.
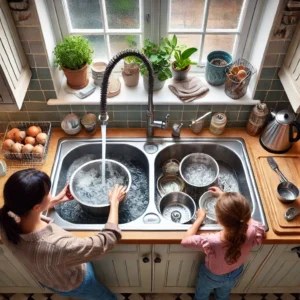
{"x":56,"y":258}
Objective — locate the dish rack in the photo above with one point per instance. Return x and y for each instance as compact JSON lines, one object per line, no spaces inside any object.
{"x":27,"y":159}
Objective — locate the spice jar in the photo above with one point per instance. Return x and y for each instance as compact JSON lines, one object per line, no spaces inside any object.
{"x":257,"y":119}
{"x":218,"y":123}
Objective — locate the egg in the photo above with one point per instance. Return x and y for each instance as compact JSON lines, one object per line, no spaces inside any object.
{"x":38,"y":151}
{"x":242,"y":74}
{"x":41,"y":138}
{"x":20,"y":136}
{"x":33,"y":131}
{"x":7,"y":144}
{"x":11,"y":134}
{"x":29,"y":140}
{"x":16,"y":148}
{"x":39,"y":129}
{"x":234,"y":70}
{"x":27,"y":148}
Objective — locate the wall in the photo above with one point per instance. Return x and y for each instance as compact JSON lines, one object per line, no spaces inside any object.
{"x":41,"y":87}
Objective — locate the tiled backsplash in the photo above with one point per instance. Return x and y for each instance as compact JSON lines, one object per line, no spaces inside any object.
{"x":41,"y":89}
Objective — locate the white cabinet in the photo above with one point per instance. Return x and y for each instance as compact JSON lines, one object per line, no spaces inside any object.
{"x":14,"y":278}
{"x":127,"y":269}
{"x":280,"y":272}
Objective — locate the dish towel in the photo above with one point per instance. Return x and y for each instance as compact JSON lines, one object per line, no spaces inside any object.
{"x":189,"y":89}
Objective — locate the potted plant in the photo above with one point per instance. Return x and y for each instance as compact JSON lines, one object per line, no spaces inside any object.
{"x":159,"y":56}
{"x":131,"y":71}
{"x":73,"y":56}
{"x":182,"y":63}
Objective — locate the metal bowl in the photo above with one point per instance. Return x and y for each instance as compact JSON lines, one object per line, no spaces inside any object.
{"x":208,"y":202}
{"x":193,"y":162}
{"x":169,"y":183}
{"x":94,"y":166}
{"x":177,"y":207}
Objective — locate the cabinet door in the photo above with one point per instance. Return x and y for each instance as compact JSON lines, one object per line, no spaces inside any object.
{"x":127,"y":269}
{"x":280,"y":273}
{"x":175,"y":268}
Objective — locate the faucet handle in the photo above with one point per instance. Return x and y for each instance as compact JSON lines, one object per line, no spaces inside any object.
{"x":164,"y":124}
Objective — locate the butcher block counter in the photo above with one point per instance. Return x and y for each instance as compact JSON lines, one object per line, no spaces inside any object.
{"x":257,"y":156}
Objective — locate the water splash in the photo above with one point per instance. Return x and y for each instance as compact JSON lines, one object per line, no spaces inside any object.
{"x":103,"y":133}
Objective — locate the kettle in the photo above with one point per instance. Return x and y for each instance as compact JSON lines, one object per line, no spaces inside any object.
{"x":278,"y":135}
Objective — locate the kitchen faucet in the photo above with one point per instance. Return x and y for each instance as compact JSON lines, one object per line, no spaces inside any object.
{"x":151,"y":123}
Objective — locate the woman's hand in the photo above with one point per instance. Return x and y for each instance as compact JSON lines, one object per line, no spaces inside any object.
{"x":117,"y":194}
{"x":63,"y":196}
{"x":217,"y":192}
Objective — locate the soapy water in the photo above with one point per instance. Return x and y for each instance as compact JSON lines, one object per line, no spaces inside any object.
{"x":170,"y":186}
{"x":198,"y":174}
{"x":132,"y":207}
{"x":103,"y":133}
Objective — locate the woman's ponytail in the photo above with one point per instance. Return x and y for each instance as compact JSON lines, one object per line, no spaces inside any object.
{"x":9,"y":225}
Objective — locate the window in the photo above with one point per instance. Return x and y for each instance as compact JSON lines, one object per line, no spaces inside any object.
{"x":114,"y":25}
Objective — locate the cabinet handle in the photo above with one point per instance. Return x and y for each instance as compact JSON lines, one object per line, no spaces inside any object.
{"x":146,"y":260}
{"x":297,"y":250}
{"x":157,"y":260}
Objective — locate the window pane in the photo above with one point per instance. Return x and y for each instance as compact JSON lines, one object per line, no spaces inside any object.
{"x":224,"y":14}
{"x":85,"y":14}
{"x":122,"y":42}
{"x":217,"y":42}
{"x":186,"y":14}
{"x":123,"y":14}
{"x":99,"y":47}
{"x":189,"y":40}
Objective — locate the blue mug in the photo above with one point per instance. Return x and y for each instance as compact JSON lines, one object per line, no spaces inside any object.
{"x":215,"y":75}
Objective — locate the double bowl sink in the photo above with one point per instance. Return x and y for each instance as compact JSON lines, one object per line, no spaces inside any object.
{"x":144,"y":158}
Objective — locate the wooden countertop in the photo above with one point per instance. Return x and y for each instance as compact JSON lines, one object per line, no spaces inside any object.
{"x":163,"y":237}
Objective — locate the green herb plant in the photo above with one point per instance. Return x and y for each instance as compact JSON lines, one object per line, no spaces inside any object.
{"x":160,"y":57}
{"x":73,"y":53}
{"x":132,"y":44}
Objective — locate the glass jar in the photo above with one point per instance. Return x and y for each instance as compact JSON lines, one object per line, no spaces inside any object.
{"x":218,"y":123}
{"x":257,"y":119}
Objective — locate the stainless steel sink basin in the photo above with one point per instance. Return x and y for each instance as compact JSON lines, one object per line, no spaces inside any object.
{"x":144,"y":158}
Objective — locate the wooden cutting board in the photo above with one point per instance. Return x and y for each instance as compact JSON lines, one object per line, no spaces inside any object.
{"x":290,"y":167}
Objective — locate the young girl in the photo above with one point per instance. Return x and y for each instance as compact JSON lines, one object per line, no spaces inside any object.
{"x":227,"y":250}
{"x":55,"y":257}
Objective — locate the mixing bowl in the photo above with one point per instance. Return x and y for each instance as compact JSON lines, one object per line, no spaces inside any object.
{"x":208,"y":202}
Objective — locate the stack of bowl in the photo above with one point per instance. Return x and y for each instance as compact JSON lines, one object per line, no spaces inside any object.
{"x":98,"y":70}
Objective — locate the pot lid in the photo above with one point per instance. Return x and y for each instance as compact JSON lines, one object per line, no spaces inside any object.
{"x":284,"y":117}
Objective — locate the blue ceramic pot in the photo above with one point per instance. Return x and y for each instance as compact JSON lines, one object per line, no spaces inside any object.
{"x":215,"y":75}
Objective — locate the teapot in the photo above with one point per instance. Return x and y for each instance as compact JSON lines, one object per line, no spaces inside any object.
{"x":278,"y":135}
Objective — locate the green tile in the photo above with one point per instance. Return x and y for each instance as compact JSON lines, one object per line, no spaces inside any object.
{"x":273,"y":96}
{"x":174,"y":115}
{"x":26,"y":98}
{"x":143,"y":125}
{"x":25,"y":46}
{"x":247,"y":107}
{"x":34,"y":85}
{"x":204,"y":108}
{"x":43,"y":73}
{"x":36,"y":47}
{"x":276,"y":74}
{"x":109,"y":108}
{"x":34,"y":73}
{"x":66,"y":108}
{"x":161,"y":115}
{"x":260,"y":95}
{"x":188,"y":115}
{"x":176,"y":107}
{"x":40,"y":106}
{"x":144,"y":116}
{"x":134,"y":124}
{"x":284,"y":97}
{"x":244,"y":115}
{"x":4,"y":116}
{"x":18,"y":116}
{"x":233,"y":108}
{"x":41,"y":60}
{"x":267,"y":73}
{"x":144,"y":107}
{"x":236,"y":124}
{"x":282,"y":105}
{"x":120,"y":107}
{"x":76,"y":108}
{"x":47,"y":85}
{"x":276,"y":85}
{"x":55,"y":124}
{"x":115,"y":124}
{"x":31,"y":60}
{"x":232,"y":115}
{"x":36,"y":96}
{"x":134,"y":107}
{"x":120,"y":115}
{"x":50,"y":95}
{"x":161,"y":107}
{"x":190,"y":108}
{"x":272,"y":105}
{"x":134,"y":116}
{"x":219,"y":108}
{"x":264,"y":85}
{"x":92,"y":108}
{"x":44,"y":116}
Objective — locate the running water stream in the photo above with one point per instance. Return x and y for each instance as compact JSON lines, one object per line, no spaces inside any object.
{"x":103,"y":133}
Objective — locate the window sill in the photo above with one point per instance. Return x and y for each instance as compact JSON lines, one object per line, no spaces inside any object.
{"x":138,"y":96}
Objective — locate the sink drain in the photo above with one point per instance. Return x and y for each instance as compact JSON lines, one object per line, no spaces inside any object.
{"x":150,"y":148}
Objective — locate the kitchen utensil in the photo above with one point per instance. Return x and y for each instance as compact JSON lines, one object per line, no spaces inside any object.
{"x":177,"y":207}
{"x":208,"y":202}
{"x":71,"y":124}
{"x":171,"y":167}
{"x":278,"y":136}
{"x":197,"y":125}
{"x":199,"y":170}
{"x":89,"y":122}
{"x":169,"y":183}
{"x":286,"y":191}
{"x":291,"y":213}
{"x":86,"y":182}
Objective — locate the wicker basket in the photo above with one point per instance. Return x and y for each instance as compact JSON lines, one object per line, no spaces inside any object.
{"x":27,"y":158}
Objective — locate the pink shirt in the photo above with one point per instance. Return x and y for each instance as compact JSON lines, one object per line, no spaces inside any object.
{"x":215,"y":250}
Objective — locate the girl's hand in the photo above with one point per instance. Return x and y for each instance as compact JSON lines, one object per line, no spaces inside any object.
{"x":217,"y":192}
{"x":117,"y":194}
{"x":201,"y":214}
{"x":63,"y":196}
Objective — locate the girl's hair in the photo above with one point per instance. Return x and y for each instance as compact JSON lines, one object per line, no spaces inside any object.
{"x":233,"y":212}
{"x":22,"y":191}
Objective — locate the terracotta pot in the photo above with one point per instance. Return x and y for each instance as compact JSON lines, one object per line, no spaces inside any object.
{"x":77,"y":79}
{"x":180,"y":75}
{"x":131,"y":79}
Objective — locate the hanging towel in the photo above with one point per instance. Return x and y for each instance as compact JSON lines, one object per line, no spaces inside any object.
{"x":189,"y":89}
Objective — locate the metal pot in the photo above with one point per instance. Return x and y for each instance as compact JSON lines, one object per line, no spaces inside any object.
{"x":98,"y":210}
